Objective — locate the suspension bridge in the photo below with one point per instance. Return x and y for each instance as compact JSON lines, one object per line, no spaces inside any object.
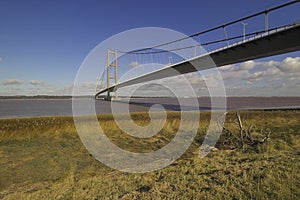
{"x":257,"y":44}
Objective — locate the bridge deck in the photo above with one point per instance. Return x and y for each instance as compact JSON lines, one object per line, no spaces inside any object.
{"x":276,"y":42}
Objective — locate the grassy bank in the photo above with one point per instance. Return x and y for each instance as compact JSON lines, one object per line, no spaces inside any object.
{"x":43,"y":158}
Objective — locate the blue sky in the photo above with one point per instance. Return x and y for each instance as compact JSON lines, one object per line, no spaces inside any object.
{"x":43,"y":43}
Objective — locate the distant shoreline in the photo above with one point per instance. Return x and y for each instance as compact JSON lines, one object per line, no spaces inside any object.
{"x":42,"y":97}
{"x":45,"y":97}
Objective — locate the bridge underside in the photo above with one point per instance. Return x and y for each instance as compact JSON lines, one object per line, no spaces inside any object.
{"x":280,"y":42}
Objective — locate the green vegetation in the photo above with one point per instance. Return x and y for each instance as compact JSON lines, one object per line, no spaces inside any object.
{"x":43,"y":158}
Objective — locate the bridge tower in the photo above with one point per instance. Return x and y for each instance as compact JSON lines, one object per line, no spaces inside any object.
{"x":112,"y":72}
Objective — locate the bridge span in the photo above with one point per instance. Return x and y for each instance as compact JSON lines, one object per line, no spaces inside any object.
{"x":270,"y":42}
{"x":278,"y":41}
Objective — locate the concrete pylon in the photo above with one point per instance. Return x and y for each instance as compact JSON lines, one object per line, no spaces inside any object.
{"x":112,"y":73}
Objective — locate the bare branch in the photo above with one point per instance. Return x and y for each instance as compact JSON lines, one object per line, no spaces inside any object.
{"x":240,"y":125}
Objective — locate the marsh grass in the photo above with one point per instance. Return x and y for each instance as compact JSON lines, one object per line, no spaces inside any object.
{"x":43,"y":158}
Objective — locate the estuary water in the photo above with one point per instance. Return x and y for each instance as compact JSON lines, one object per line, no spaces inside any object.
{"x":19,"y":108}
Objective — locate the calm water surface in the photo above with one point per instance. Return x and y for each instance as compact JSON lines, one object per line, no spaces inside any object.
{"x":10,"y":108}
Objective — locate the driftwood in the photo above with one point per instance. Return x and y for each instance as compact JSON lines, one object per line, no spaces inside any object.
{"x":240,"y":125}
{"x":245,"y":135}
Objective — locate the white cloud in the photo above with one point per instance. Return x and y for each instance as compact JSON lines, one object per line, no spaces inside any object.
{"x":248,"y":65}
{"x":269,"y":78}
{"x":270,"y":63}
{"x":227,"y":68}
{"x":37,"y":83}
{"x":290,"y":65}
{"x":83,"y":88}
{"x":12,"y":82}
{"x":272,"y":71}
{"x":245,"y":66}
{"x":256,"y":76}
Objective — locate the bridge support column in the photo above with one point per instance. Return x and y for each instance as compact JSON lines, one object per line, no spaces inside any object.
{"x":112,"y":73}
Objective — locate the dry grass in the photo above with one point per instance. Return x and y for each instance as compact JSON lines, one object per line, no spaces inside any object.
{"x":43,"y":158}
